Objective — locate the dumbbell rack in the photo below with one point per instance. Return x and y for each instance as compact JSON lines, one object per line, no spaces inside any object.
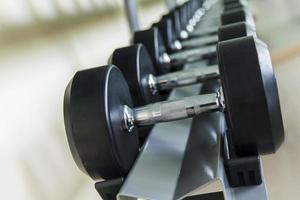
{"x":182,"y":160}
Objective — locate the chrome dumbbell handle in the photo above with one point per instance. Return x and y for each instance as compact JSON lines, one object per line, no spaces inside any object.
{"x":197,"y":52}
{"x":200,"y":41}
{"x":171,"y":110}
{"x":182,"y":78}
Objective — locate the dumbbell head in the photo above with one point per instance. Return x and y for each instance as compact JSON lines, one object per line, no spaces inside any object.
{"x":93,"y":122}
{"x":152,"y":39}
{"x":236,"y":30}
{"x":104,"y":147}
{"x":251,"y":97}
{"x":237,"y":15}
{"x":141,"y":65}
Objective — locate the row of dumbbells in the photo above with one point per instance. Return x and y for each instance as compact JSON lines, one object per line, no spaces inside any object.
{"x":106,"y":107}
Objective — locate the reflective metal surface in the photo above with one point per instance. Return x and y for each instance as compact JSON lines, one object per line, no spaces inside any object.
{"x":193,"y":53}
{"x":200,"y":41}
{"x":186,"y":77}
{"x":175,"y":109}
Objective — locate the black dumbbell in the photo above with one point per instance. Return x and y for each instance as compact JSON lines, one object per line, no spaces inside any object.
{"x":137,"y":67}
{"x":101,"y":122}
{"x":153,"y":41}
{"x":140,"y":72}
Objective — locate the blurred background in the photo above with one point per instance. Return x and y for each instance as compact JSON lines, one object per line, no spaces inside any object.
{"x":42,"y":44}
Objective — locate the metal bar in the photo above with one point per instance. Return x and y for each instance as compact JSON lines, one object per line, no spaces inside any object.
{"x":193,"y":53}
{"x":200,"y":41}
{"x":185,"y":77}
{"x":171,"y":110}
{"x":132,"y":15}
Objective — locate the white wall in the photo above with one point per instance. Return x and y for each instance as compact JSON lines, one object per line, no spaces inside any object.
{"x":41,"y":47}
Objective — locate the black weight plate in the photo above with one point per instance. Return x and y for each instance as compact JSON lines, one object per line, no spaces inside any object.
{"x":251,"y":96}
{"x":93,"y":120}
{"x":235,"y":30}
{"x":136,"y":66}
{"x":153,"y":42}
{"x":225,"y":2}
{"x":232,"y":7}
{"x":233,"y":16}
{"x":149,"y":39}
{"x":174,"y":16}
{"x":166,"y":29}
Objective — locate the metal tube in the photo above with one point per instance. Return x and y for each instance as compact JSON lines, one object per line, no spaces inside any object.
{"x":183,"y":78}
{"x":193,"y":53}
{"x":177,"y":109}
{"x":200,"y":41}
{"x":132,"y":15}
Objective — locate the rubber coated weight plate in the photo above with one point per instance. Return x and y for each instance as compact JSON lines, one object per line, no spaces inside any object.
{"x":136,"y":65}
{"x":251,"y":96}
{"x":174,"y":16}
{"x":153,"y":41}
{"x":236,"y":30}
{"x":166,"y":30}
{"x":235,"y":15}
{"x":232,"y":6}
{"x":92,"y":111}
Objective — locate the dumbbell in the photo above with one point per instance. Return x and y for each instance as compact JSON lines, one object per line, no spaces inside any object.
{"x":164,"y":62}
{"x":140,"y":72}
{"x":101,"y":122}
{"x":136,"y":65}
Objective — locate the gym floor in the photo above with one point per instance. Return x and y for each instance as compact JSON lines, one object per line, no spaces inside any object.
{"x":38,"y":56}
